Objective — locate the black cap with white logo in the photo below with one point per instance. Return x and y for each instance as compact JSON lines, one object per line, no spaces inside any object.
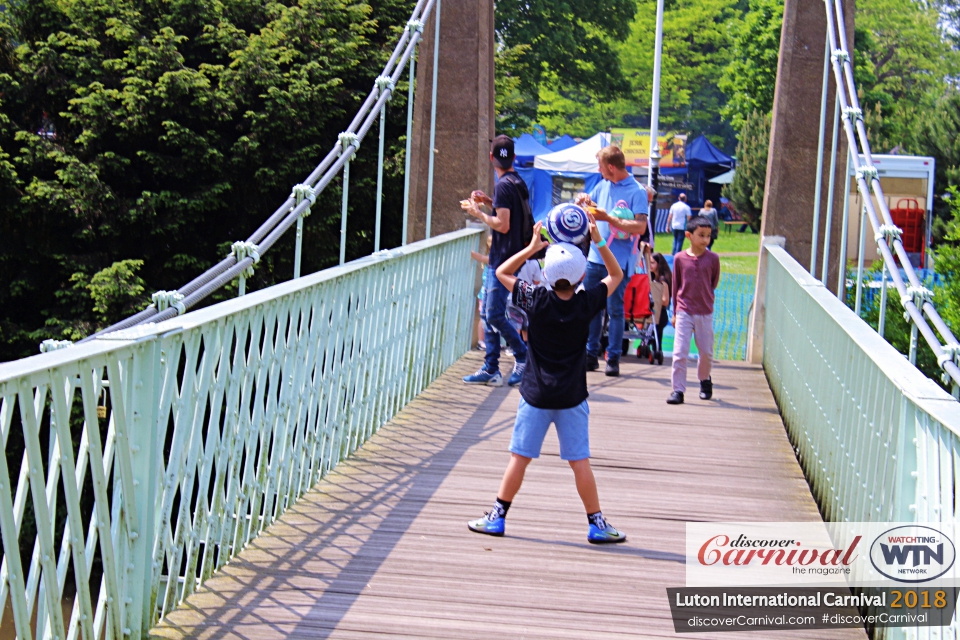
{"x":503,"y":151}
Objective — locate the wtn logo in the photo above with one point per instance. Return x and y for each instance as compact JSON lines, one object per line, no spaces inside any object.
{"x":899,"y":554}
{"x":912,"y":553}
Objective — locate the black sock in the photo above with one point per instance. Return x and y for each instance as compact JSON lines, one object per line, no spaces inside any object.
{"x":597,"y":520}
{"x":500,"y":507}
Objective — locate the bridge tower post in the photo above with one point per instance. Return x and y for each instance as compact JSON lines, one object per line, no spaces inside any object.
{"x":465,"y":115}
{"x":788,"y":200}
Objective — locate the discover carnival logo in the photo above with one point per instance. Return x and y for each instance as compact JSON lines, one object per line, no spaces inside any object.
{"x":912,"y":553}
{"x":744,"y":550}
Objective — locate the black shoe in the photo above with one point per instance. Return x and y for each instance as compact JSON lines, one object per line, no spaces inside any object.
{"x":706,"y":389}
{"x":592,"y":363}
{"x":675,"y":398}
{"x":613,"y":367}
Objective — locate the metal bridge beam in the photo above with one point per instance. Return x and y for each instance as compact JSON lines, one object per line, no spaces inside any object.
{"x":465,"y":115}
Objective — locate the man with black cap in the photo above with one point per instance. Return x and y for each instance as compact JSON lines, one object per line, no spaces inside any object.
{"x":510,"y":202}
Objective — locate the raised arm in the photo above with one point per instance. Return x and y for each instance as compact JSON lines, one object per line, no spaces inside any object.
{"x":506,"y":270}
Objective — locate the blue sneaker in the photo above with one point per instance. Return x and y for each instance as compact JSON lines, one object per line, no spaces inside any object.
{"x":604,"y":536}
{"x":517,"y":374}
{"x":482,"y":377}
{"x":490,"y":524}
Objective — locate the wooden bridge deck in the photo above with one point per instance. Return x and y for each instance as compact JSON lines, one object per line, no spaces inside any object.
{"x":380,"y":548}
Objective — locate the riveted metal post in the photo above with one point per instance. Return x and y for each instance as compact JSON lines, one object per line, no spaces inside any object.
{"x":343,"y":212}
{"x":406,"y":158}
{"x":833,"y":178}
{"x":383,"y":124}
{"x":844,"y":232}
{"x":860,"y":251}
{"x":433,"y":118}
{"x":883,"y":300}
{"x":298,"y":248}
{"x":820,"y":140}
{"x":913,"y":340}
{"x":140,"y":387}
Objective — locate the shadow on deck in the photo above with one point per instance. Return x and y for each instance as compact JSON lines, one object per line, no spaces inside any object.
{"x":380,"y":547}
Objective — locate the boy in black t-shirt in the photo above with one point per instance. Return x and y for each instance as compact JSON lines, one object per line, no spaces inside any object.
{"x":554,"y":384}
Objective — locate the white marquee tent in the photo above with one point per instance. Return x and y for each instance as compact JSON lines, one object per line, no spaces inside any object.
{"x":579,"y":159}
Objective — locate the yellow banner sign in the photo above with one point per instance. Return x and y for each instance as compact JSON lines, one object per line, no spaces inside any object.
{"x":635,"y":144}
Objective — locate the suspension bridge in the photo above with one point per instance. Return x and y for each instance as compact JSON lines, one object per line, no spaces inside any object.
{"x":300,"y":461}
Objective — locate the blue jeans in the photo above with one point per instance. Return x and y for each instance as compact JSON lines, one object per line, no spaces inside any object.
{"x":678,"y":237}
{"x":495,"y":304}
{"x":596,"y":273}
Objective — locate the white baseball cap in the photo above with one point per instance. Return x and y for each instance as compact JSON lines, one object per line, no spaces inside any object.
{"x":564,"y":261}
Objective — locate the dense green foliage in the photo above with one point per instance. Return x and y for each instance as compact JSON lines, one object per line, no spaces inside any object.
{"x":746,"y":190}
{"x":139,"y":138}
{"x":696,"y":50}
{"x":750,"y":77}
{"x":558,"y":39}
{"x":902,"y":63}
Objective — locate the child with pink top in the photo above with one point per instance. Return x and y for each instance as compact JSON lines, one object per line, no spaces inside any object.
{"x":696,"y":273}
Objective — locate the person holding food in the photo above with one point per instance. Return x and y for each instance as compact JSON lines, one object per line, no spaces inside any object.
{"x":506,"y":220}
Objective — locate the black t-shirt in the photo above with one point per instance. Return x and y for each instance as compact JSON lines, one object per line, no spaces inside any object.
{"x":556,"y":372}
{"x":508,"y":196}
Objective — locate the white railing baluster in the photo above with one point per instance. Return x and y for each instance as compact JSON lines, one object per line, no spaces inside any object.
{"x":9,"y":536}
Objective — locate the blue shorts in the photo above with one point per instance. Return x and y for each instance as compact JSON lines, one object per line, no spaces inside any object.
{"x":572,"y":429}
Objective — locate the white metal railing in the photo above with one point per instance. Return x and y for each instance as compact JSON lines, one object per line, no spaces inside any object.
{"x":922,"y":316}
{"x":152,"y":455}
{"x":877,"y":439}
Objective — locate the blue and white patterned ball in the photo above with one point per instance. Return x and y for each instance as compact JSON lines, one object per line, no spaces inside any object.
{"x":567,"y":222}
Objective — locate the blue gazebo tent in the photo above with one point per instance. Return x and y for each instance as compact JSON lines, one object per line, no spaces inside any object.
{"x":702,"y":154}
{"x":526,"y":148}
{"x":704,"y":162}
{"x":563,"y":142}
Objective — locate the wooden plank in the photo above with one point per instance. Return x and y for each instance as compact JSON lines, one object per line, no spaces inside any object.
{"x":380,"y":547}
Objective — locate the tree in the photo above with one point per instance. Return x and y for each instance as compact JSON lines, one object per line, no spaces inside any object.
{"x":901,"y":61}
{"x":696,"y":48}
{"x":570,"y":39}
{"x":162,"y":131}
{"x":750,"y":78}
{"x":746,"y":190}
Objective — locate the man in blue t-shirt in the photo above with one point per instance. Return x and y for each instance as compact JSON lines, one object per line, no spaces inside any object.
{"x":617,"y":187}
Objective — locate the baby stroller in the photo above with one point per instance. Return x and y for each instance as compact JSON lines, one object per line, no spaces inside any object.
{"x":638,"y":312}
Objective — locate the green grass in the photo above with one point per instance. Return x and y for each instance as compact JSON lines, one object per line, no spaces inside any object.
{"x":734,"y":242}
{"x":726,"y":243}
{"x":739,"y":264}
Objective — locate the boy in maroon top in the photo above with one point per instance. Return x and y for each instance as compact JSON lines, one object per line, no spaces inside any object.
{"x":696,"y":273}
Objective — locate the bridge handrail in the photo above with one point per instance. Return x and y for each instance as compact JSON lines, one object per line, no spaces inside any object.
{"x":876,"y":438}
{"x":169,"y":446}
{"x":914,"y":297}
{"x":291,"y":212}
